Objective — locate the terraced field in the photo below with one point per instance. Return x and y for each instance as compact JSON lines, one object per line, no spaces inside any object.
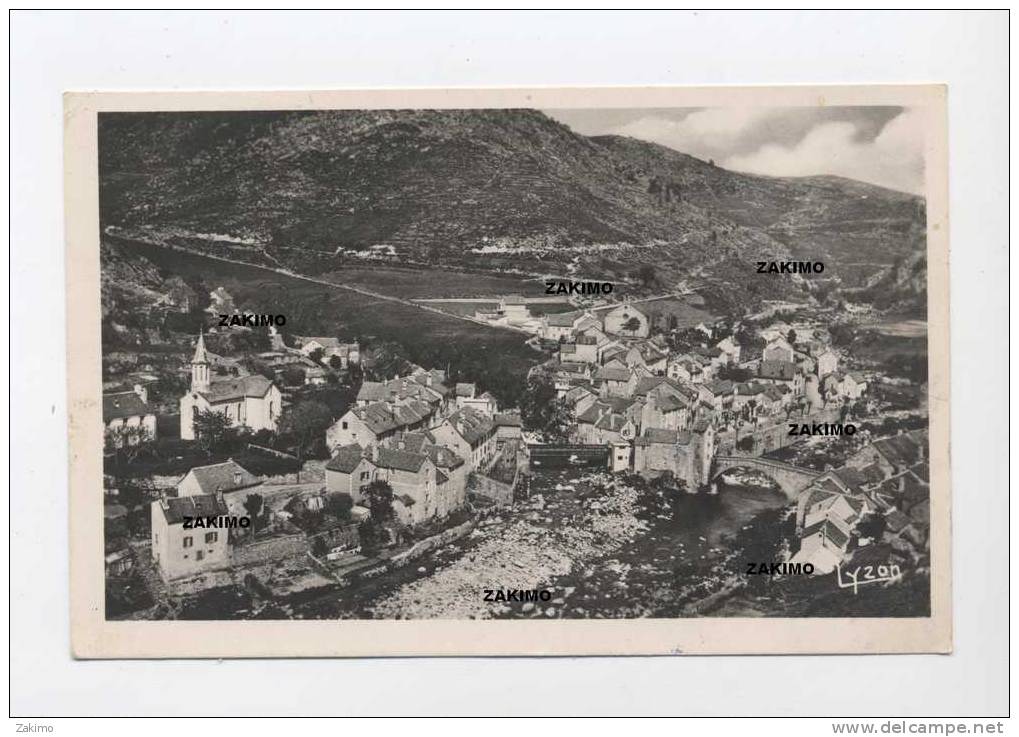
{"x":496,"y":359}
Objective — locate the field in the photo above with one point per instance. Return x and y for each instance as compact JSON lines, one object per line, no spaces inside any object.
{"x":497,"y":359}
{"x":419,"y":283}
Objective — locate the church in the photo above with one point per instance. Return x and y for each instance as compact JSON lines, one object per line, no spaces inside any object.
{"x":252,"y":401}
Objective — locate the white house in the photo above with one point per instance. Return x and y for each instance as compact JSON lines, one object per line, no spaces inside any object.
{"x":180,"y":552}
{"x":249,"y":401}
{"x":558,"y":325}
{"x":128,"y":416}
{"x":628,"y":321}
{"x":852,"y":385}
{"x":347,"y":353}
{"x":778,"y":349}
{"x":217,"y":478}
{"x":730,"y":348}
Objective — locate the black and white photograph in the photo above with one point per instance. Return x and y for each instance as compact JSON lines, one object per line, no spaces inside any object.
{"x":510,"y":364}
{"x":522,"y":363}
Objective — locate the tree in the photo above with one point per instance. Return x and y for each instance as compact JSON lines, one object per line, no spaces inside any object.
{"x":380,"y":501}
{"x":293,"y":375}
{"x":128,"y":442}
{"x":254,"y":505}
{"x":304,"y":423}
{"x":543,"y":412}
{"x":632,"y":325}
{"x":335,"y":363}
{"x":369,"y":538}
{"x":212,"y":430}
{"x":339,"y":505}
{"x":791,"y":336}
{"x":646,"y":274}
{"x":316,"y":355}
{"x":872,"y":526}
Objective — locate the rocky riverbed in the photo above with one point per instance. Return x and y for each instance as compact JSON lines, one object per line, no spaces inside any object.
{"x":568,"y":521}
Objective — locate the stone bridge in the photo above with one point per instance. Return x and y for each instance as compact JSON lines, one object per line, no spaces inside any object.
{"x":791,"y":479}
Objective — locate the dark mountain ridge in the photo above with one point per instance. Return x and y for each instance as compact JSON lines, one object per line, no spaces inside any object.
{"x":501,"y":189}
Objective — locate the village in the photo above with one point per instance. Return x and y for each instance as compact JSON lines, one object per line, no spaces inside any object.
{"x":378,"y":473}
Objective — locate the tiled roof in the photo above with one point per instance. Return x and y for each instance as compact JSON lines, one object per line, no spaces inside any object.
{"x":381,"y":417}
{"x":571,"y":367}
{"x":175,"y":509}
{"x":465,"y":390}
{"x":612,"y":422}
{"x":611,"y":352}
{"x":123,"y":404}
{"x":658,"y":435}
{"x":346,"y":458}
{"x":509,"y":419}
{"x":400,"y":460}
{"x":443,"y":457}
{"x":231,"y":390}
{"x":829,"y":530}
{"x":721,"y":386}
{"x":900,"y":450}
{"x":226,"y":476}
{"x":896,"y":520}
{"x":606,"y":373}
{"x":472,"y":425}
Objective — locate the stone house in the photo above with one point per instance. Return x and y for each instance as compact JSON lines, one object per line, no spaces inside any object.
{"x":217,"y":478}
{"x":130,"y":412}
{"x":373,"y":423}
{"x":688,"y":454}
{"x":615,"y":382}
{"x":179,"y":552}
{"x":469,"y":434}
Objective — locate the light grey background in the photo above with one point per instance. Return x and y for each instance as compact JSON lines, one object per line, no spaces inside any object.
{"x":53,"y":52}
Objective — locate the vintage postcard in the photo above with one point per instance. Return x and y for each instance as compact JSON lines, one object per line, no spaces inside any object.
{"x":606,"y":371}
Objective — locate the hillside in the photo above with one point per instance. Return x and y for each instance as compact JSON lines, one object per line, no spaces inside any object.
{"x":502,"y":190}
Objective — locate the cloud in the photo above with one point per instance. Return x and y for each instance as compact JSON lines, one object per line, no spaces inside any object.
{"x":705,"y":133}
{"x":893,"y":158}
{"x":878,"y":144}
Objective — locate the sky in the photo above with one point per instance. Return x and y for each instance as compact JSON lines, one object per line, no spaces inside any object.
{"x":880,"y":145}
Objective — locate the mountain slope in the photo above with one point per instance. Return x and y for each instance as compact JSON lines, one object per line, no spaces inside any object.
{"x":488,"y":189}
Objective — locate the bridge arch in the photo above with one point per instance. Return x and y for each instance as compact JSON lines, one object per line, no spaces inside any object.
{"x":790,"y":479}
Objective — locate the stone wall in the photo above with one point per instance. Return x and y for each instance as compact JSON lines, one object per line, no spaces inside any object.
{"x":499,"y":492}
{"x":431,"y":543}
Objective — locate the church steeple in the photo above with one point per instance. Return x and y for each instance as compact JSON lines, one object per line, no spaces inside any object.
{"x":200,"y":366}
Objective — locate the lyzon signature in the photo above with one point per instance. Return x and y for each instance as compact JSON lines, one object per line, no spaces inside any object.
{"x":867,"y":574}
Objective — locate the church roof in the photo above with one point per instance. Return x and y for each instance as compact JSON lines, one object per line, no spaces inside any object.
{"x":201,"y":356}
{"x":230,"y":390}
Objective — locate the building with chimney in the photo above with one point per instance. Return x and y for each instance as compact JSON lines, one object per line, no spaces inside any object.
{"x":471,"y":435}
{"x":428,"y":481}
{"x":128,"y":417}
{"x":688,"y":454}
{"x":247,"y":401}
{"x":178,"y":549}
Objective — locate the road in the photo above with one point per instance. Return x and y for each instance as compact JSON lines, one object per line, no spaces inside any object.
{"x":359,"y":290}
